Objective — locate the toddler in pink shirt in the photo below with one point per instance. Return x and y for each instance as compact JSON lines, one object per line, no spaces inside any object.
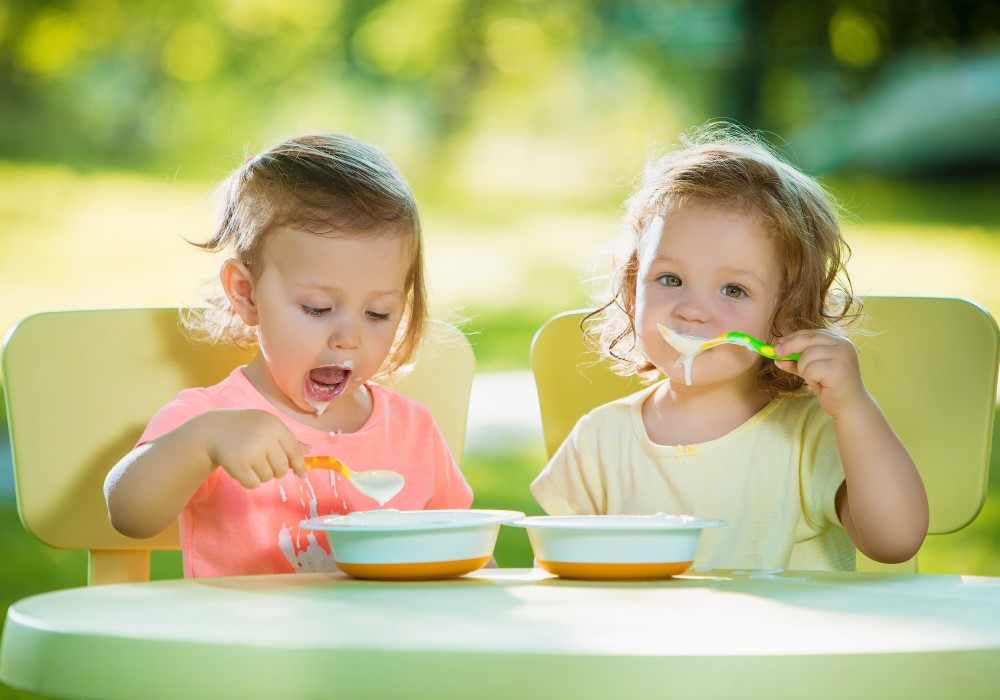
{"x":326,"y":280}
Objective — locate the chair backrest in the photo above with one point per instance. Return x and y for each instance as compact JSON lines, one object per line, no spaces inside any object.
{"x":81,"y":386}
{"x":931,"y":363}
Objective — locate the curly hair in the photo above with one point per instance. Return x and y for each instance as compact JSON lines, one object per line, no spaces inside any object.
{"x":326,"y":184}
{"x":723,"y":165}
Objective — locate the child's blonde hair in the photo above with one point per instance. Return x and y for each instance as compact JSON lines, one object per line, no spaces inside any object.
{"x":723,"y":165}
{"x":326,"y":184}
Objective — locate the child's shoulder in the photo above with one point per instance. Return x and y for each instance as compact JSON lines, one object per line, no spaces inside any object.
{"x":235,"y":391}
{"x":801,"y":402}
{"x":395,"y":402}
{"x":801,"y":411}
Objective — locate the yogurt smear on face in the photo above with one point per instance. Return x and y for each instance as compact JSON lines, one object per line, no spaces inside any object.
{"x":319,"y":407}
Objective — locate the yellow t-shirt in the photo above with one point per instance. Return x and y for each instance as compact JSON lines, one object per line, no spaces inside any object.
{"x":773,"y":480}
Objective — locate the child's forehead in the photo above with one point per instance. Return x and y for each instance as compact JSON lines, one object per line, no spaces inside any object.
{"x":722,"y":240}
{"x":289,"y":248}
{"x":699,"y":222}
{"x":305,"y":236}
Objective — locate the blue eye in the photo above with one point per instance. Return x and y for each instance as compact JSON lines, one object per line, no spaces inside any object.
{"x":669,"y":280}
{"x":733,"y":291}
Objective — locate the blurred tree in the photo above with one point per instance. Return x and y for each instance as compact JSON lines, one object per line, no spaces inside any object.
{"x":102,"y":82}
{"x":772,"y":64}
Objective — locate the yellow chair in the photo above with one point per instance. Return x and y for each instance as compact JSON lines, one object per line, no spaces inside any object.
{"x":931,"y":363}
{"x":81,"y":385}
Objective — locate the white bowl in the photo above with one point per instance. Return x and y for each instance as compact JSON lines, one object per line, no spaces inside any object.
{"x":412,"y":544}
{"x":615,"y":547}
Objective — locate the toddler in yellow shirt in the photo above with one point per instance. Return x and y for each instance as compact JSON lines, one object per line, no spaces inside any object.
{"x":796,"y":456}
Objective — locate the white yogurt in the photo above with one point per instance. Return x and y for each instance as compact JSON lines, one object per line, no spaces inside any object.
{"x":689,"y":346}
{"x":319,"y":406}
{"x":378,"y":484}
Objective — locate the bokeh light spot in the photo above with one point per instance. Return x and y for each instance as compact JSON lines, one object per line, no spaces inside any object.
{"x":191,"y":53}
{"x":51,"y":43}
{"x":261,"y":18}
{"x":853,"y":38}
{"x":515,"y":45}
{"x":406,"y":37}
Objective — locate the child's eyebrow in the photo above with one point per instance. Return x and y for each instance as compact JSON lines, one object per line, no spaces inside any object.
{"x":664,"y":259}
{"x":727,"y":269}
{"x":745,"y":272}
{"x":335,"y":290}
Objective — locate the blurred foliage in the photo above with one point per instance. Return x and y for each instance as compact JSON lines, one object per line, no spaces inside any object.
{"x":96,"y":83}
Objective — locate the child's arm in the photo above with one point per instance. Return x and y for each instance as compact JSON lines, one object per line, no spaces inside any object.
{"x":882,"y":504}
{"x":150,"y":486}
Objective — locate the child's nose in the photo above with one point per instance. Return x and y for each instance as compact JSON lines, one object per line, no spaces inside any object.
{"x":345,"y":332}
{"x":692,"y":308}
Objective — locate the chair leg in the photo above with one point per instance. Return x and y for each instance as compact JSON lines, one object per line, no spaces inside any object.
{"x":117,"y":566}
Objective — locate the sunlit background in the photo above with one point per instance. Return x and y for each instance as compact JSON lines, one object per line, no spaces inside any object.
{"x":521,"y":125}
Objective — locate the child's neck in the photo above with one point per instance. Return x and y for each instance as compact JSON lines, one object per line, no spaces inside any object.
{"x":685,"y":415}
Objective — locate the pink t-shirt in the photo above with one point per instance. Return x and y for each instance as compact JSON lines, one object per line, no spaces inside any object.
{"x":228,"y":530}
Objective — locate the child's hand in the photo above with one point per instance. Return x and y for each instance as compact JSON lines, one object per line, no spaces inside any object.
{"x":252,"y":446}
{"x":829,"y":365}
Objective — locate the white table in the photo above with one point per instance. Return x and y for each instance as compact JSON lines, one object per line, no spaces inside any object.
{"x":513,"y":633}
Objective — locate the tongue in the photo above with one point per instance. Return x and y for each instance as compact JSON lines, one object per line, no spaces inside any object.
{"x":327,"y":375}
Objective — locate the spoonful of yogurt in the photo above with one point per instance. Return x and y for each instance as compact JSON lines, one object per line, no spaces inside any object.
{"x":689,"y":346}
{"x":378,"y":484}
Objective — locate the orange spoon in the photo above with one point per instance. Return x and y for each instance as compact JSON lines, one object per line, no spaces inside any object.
{"x":378,"y":484}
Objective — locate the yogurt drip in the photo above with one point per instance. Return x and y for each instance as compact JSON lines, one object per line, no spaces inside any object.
{"x":689,"y":346}
{"x":326,"y":373}
{"x":319,"y":406}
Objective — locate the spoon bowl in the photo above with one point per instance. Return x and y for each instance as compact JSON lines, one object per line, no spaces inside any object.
{"x":378,"y":484}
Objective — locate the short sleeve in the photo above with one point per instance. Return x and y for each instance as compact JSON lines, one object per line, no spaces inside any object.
{"x":182,"y":408}
{"x":570,"y":484}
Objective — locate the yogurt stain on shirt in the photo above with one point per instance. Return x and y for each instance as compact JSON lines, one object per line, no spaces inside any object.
{"x":308,"y":559}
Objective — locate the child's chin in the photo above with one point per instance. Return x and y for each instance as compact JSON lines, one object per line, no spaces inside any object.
{"x":325,"y":396}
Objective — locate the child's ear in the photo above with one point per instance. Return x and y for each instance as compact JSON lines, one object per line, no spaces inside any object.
{"x":237,"y":282}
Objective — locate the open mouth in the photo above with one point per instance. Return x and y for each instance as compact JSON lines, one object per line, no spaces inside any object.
{"x":326,"y":383}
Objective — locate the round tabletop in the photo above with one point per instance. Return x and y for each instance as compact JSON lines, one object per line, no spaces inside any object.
{"x":503,"y":633}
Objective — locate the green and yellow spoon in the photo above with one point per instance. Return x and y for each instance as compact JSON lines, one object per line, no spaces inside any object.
{"x":692,"y":345}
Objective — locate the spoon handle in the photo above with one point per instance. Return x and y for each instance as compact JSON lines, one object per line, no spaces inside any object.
{"x":327,"y":462}
{"x":748,"y":341}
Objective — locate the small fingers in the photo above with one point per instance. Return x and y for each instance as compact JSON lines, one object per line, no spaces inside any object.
{"x":790,"y":366}
{"x":808,"y":340}
{"x":295,"y":452}
{"x":247,"y":477}
{"x":278,"y":462}
{"x":263,"y":470}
